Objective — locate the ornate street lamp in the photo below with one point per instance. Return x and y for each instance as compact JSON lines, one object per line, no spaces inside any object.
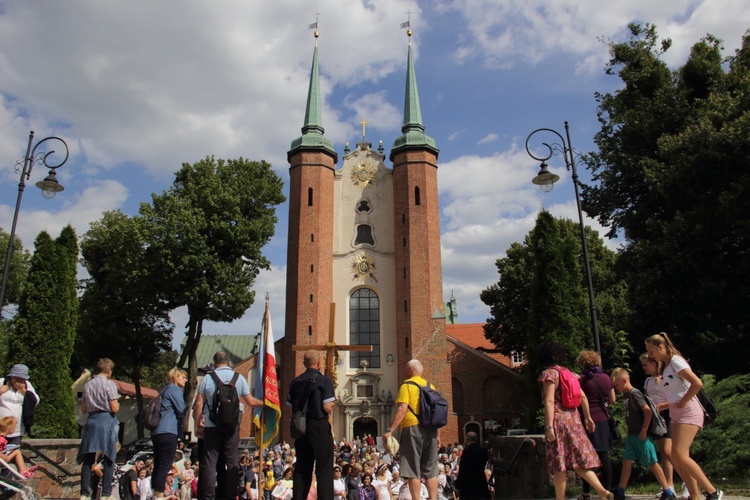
{"x":546,"y":180}
{"x":49,"y":186}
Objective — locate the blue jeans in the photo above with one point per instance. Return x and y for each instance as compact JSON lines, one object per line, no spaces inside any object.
{"x":107,"y":465}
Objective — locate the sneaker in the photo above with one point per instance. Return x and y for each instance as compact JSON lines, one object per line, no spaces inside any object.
{"x":667,"y":494}
{"x":85,"y":497}
{"x":685,"y":493}
{"x":716,"y":495}
{"x":618,"y":496}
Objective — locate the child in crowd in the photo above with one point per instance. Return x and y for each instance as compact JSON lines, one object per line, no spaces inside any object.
{"x":638,"y":444}
{"x":7,"y":426}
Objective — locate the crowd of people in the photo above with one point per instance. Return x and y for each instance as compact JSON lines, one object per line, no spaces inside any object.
{"x":579,"y":436}
{"x":577,"y":424}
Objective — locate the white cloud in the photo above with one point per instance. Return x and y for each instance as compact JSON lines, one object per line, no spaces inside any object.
{"x":489,"y":138}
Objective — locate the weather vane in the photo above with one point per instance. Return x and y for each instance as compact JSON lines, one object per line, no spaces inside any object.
{"x":314,"y":26}
{"x":407,"y":24}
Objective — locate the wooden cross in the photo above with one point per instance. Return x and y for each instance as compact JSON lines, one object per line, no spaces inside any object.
{"x":331,"y":348}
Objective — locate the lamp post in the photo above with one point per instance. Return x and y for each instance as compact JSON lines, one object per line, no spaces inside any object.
{"x":49,"y":186}
{"x":546,"y":180}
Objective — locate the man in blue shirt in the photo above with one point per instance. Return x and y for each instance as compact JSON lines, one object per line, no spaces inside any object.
{"x":219,"y":445}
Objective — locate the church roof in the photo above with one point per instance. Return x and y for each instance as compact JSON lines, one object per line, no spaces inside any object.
{"x":472,"y":334}
{"x":413,"y":128}
{"x":238,"y":347}
{"x":312,"y":130}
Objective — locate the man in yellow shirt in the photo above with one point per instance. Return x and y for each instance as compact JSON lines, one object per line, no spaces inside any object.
{"x":419,"y":446}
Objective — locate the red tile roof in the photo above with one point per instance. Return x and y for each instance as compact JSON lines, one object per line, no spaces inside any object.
{"x":472,"y":334}
{"x":128,"y":389}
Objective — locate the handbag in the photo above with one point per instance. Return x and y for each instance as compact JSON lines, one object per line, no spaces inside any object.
{"x":614,"y":424}
{"x":298,"y":426}
{"x":709,"y":410}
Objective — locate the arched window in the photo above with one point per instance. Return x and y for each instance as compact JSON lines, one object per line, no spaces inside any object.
{"x":364,"y":327}
{"x":364,"y":235}
{"x":309,"y":197}
{"x":417,"y":198}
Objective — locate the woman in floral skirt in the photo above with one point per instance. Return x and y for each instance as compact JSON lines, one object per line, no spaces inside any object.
{"x":568,"y":446}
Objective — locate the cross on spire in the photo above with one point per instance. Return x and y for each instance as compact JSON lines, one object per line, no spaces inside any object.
{"x":364,"y":127}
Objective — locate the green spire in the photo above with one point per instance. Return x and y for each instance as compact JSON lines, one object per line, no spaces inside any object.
{"x":413,"y":129}
{"x":312,"y":130}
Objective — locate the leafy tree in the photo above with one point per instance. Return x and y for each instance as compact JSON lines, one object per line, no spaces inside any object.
{"x":123,"y":316}
{"x":44,"y":331}
{"x":206,"y":234}
{"x":17,"y":270}
{"x":510,"y":298}
{"x":671,"y":174}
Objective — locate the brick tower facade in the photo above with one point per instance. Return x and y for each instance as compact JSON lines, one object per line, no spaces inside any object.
{"x":420,"y":310}
{"x":310,"y":242}
{"x":366,"y":239}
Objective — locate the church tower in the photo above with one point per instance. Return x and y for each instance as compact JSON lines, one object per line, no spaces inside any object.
{"x":363,"y":265}
{"x":420,"y":310}
{"x":310,"y":241}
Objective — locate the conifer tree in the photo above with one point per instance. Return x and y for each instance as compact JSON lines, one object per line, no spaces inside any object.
{"x":44,"y":332}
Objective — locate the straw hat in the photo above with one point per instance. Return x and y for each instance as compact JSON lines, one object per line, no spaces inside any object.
{"x":391,"y":445}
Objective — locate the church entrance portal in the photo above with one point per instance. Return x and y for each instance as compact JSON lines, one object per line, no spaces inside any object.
{"x":364,"y":426}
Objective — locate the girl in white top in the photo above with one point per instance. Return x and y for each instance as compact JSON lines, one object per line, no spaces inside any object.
{"x":654,"y":388}
{"x":681,"y":386}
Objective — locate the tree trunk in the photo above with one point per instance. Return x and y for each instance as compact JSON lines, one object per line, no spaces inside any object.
{"x":195,"y":330}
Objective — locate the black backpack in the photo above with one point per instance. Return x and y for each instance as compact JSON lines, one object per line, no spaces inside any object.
{"x":151,"y":413}
{"x":225,"y":410}
{"x":433,"y":408}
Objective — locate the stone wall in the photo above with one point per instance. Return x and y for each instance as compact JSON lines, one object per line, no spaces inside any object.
{"x":50,"y":481}
{"x":520,"y":467}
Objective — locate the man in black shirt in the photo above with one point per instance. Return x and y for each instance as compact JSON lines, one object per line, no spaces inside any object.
{"x":315,"y":447}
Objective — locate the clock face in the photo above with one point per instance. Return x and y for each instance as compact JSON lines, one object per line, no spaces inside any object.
{"x":363,"y":174}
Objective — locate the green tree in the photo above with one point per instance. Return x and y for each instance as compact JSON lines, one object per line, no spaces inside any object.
{"x":44,"y":329}
{"x":123,"y":316}
{"x":671,"y":174}
{"x":541,"y":296}
{"x":206,"y":234}
{"x":17,"y":270}
{"x":510,"y":298}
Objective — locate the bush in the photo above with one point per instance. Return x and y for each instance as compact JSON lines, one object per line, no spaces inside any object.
{"x":722,"y":448}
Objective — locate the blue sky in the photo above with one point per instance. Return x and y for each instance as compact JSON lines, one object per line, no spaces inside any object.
{"x":138,"y":88}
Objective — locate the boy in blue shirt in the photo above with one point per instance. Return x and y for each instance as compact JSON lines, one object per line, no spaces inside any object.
{"x":638,"y":444}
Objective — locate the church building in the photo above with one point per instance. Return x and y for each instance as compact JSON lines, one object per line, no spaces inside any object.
{"x":364,"y":275}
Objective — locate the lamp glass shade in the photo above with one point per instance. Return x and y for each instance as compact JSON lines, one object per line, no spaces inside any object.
{"x":545,"y":179}
{"x":49,"y":186}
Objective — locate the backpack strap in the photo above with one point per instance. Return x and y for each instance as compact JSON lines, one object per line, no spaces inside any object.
{"x":216,"y":379}
{"x":234,"y":379}
{"x":418,"y":387}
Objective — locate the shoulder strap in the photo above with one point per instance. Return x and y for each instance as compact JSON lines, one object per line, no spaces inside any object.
{"x":603,"y":399}
{"x":234,"y":379}
{"x":310,"y":383}
{"x":418,"y":387}
{"x":216,"y":379}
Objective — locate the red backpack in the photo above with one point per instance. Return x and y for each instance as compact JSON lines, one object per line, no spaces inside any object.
{"x":570,"y":389}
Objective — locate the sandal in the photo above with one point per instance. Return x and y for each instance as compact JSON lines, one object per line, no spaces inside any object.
{"x":30,"y":471}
